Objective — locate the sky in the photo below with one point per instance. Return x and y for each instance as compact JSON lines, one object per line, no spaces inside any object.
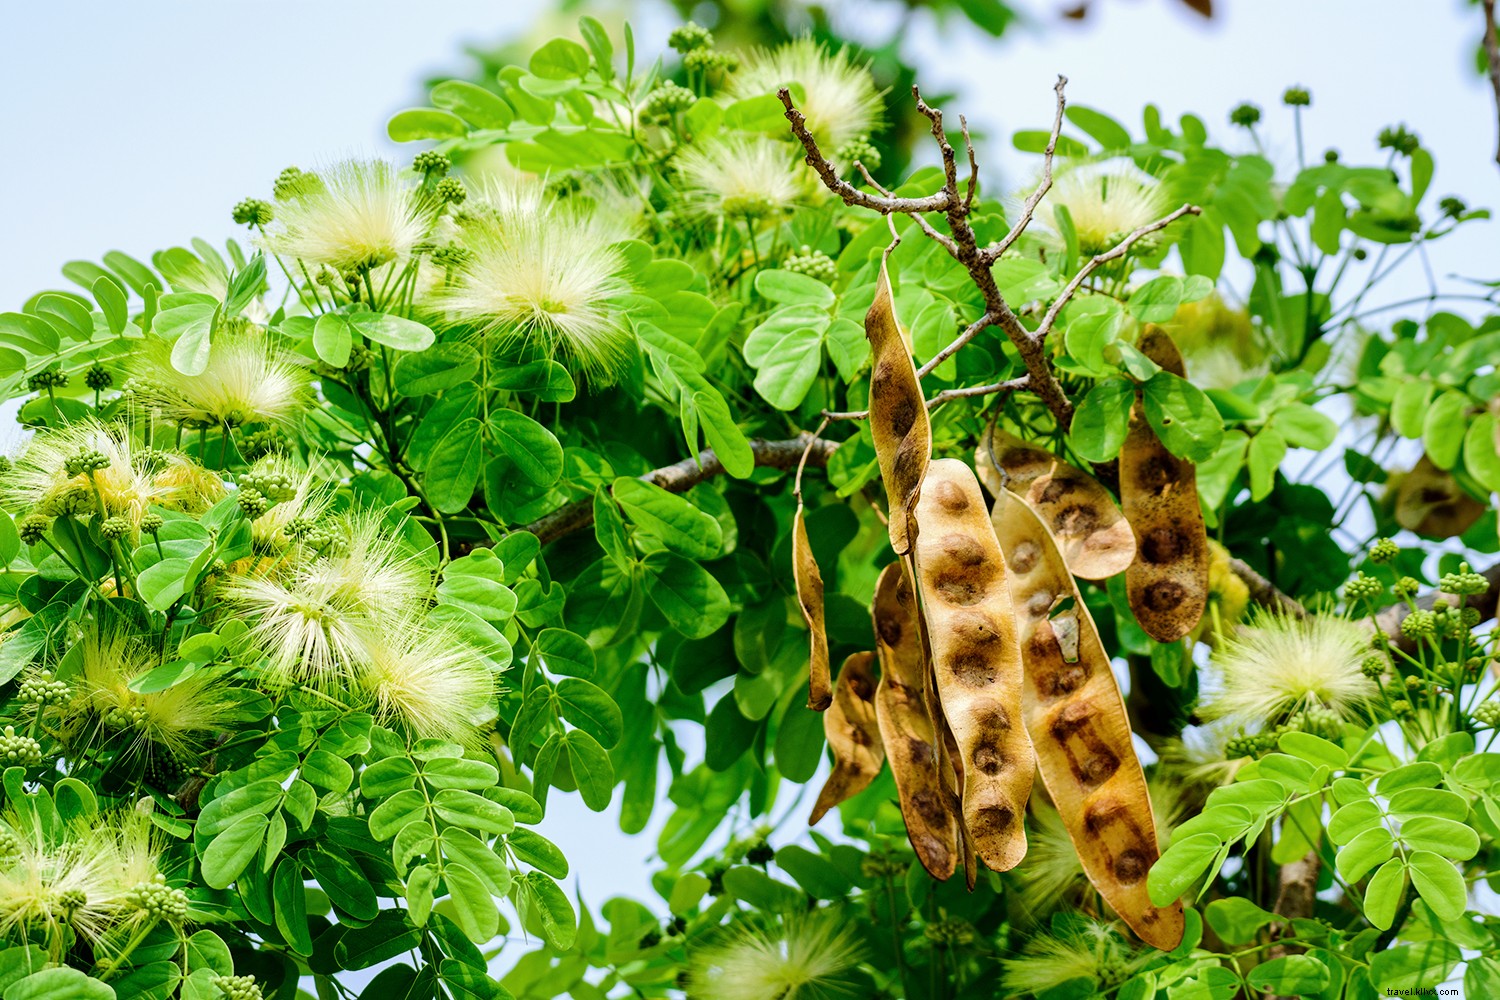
{"x":137,"y":126}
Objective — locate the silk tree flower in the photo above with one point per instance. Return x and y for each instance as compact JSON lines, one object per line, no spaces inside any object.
{"x":427,"y":682}
{"x":804,"y":959}
{"x":179,"y":721}
{"x":356,"y":216}
{"x":1090,"y":951}
{"x":539,"y":269}
{"x":317,"y":622}
{"x":49,"y":475}
{"x":79,"y":878}
{"x":308,"y":502}
{"x":1106,"y":202}
{"x":742,"y":177}
{"x":1277,"y":665}
{"x":248,"y":380}
{"x":840,"y":100}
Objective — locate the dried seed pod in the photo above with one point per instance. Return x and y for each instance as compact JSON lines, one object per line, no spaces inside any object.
{"x":1430,"y":502}
{"x":898,"y":413}
{"x":975,"y":660}
{"x":1167,"y":584}
{"x":1079,"y":728}
{"x":852,"y":731}
{"x":903,"y":712}
{"x":809,"y":582}
{"x":1091,"y":533}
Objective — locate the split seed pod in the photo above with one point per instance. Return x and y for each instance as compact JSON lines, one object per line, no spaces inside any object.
{"x":975,"y":660}
{"x":1168,"y":582}
{"x":899,"y":423}
{"x":1079,"y":728}
{"x":852,"y":731}
{"x":1091,"y":533}
{"x":902,"y":711}
{"x":809,"y":580}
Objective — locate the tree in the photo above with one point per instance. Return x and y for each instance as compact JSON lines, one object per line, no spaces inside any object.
{"x":332,"y":559}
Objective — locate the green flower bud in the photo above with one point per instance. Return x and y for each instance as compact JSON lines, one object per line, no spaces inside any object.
{"x":1452,"y":207}
{"x":252,"y":502}
{"x":666,"y":100}
{"x":451,"y":190}
{"x":858,"y":150}
{"x":1296,"y":97}
{"x":1384,"y":551}
{"x":18,"y":750}
{"x":1464,"y":583}
{"x":1487,"y":714}
{"x":98,"y":378}
{"x":294,"y":183}
{"x":151,"y":522}
{"x":814,"y":263}
{"x":1363,"y":587}
{"x":115,"y":527}
{"x":50,"y":378}
{"x":1399,"y":139}
{"x":238,"y":987}
{"x":252,"y":212}
{"x":33,"y":528}
{"x":1244,"y":115}
{"x":1419,"y":623}
{"x":1406,"y":587}
{"x":689,"y":37}
{"x":431,"y":163}
{"x":159,"y":900}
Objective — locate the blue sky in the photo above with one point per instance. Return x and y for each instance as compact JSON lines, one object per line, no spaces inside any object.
{"x":137,"y":126}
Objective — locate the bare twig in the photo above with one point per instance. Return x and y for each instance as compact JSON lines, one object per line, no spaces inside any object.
{"x":851,"y":194}
{"x":970,"y":332}
{"x":920,"y":220}
{"x":963,"y":124}
{"x":1492,"y":54}
{"x":947,"y":395}
{"x":993,"y":252}
{"x":684,"y":475}
{"x":1114,"y":253}
{"x":1264,"y":592}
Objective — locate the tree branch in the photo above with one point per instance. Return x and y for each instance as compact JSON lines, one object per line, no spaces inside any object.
{"x":1492,"y":54}
{"x":1264,"y":592}
{"x":993,"y":252}
{"x":684,"y":475}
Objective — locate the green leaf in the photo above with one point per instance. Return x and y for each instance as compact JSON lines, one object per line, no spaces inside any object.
{"x":1383,"y":895}
{"x":1364,"y":852}
{"x":1180,"y":866}
{"x":553,"y":909}
{"x":232,"y":851}
{"x":465,"y":982}
{"x":543,"y":379}
{"x":343,"y":880}
{"x":1414,"y":966}
{"x":1419,"y":774}
{"x":799,"y":742}
{"x":723,"y":434}
{"x":189,"y":327}
{"x":473,"y":907}
{"x":791,"y":288}
{"x":1409,"y":407}
{"x":1102,"y":420}
{"x":1480,"y":457}
{"x":1236,"y":920}
{"x":592,"y":768}
{"x":1313,"y":749}
{"x":790,"y":366}
{"x":1304,"y":427}
{"x":394,"y":332}
{"x":538,"y":852}
{"x":1439,"y":883}
{"x":588,"y":707}
{"x":440,"y":367}
{"x":1352,"y":819}
{"x":1267,"y":449}
{"x":533,"y":448}
{"x":1100,"y":127}
{"x":1412,"y":802}
{"x":384,"y":938}
{"x":1157,"y":300}
{"x":1184,"y":418}
{"x":560,"y":59}
{"x":291,"y":905}
{"x":1290,"y":975}
{"x":475,"y":105}
{"x":1443,"y":428}
{"x":425,"y":123}
{"x":761,"y":890}
{"x":1447,"y":837}
{"x":466,"y":809}
{"x":327,"y":771}
{"x":453,"y":468}
{"x":688,"y":596}
{"x":112,"y":302}
{"x":673,"y":519}
{"x":817,"y":876}
{"x":59,"y":984}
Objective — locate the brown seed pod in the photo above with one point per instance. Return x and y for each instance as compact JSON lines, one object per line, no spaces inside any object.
{"x":809,"y":582}
{"x":1430,"y":502}
{"x":975,"y":660}
{"x":898,"y":413}
{"x":1079,"y":728}
{"x":852,"y":731}
{"x":1168,"y":582}
{"x":903,"y":713}
{"x":1091,"y":533}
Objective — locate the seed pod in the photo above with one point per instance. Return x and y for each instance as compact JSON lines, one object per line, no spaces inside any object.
{"x":898,"y":413}
{"x":1079,"y":728}
{"x":1430,"y":502}
{"x":1167,"y":584}
{"x":852,"y":731}
{"x":809,"y":582}
{"x":1091,"y":533}
{"x":975,"y":660}
{"x":902,"y":711}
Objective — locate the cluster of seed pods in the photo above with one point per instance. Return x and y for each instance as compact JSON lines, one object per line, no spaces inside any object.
{"x":991,"y":668}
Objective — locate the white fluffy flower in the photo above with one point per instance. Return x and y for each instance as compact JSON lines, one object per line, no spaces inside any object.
{"x":1277,"y":665}
{"x":742,"y":176}
{"x":427,"y":682}
{"x":248,"y":379}
{"x":356,"y":215}
{"x":1106,"y":202}
{"x":840,"y":102}
{"x":546,"y":270}
{"x":806,"y":959}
